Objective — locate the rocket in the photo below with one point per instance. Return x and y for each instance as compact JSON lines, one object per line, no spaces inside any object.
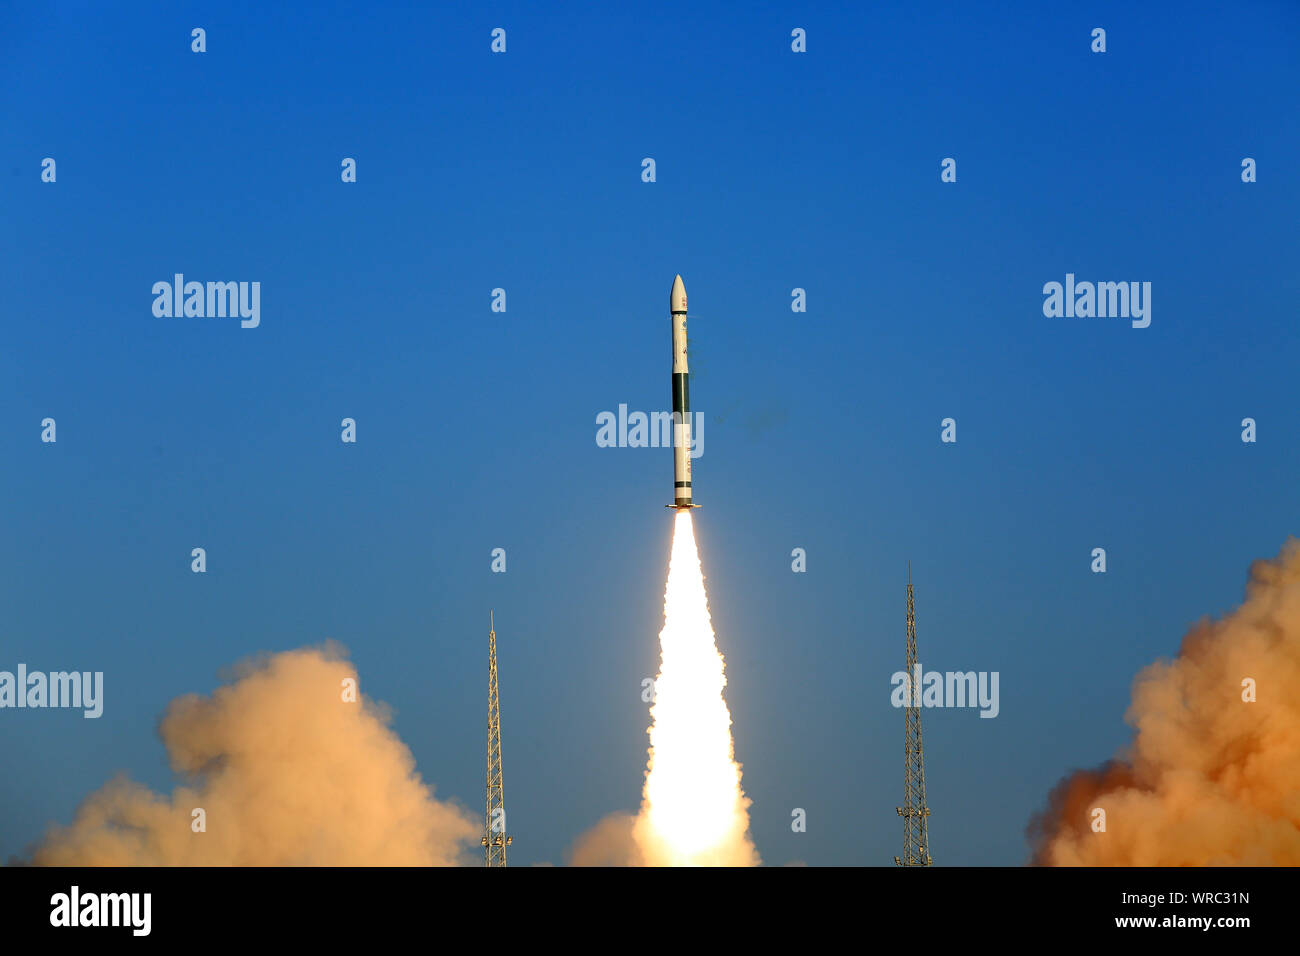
{"x":681,"y":401}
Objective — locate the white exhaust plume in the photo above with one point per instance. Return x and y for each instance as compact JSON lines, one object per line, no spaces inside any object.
{"x":693,"y":810}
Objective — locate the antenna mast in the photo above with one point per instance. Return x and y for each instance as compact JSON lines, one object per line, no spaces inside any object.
{"x":495,"y":839}
{"x":915,"y":813}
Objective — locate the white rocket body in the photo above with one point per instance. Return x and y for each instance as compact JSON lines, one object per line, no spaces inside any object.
{"x":681,"y":400}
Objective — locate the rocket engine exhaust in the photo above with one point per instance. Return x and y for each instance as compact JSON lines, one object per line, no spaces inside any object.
{"x":693,"y":811}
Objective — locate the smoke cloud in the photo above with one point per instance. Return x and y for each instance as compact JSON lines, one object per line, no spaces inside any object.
{"x":287,"y":773}
{"x":609,"y":843}
{"x":1210,"y":778}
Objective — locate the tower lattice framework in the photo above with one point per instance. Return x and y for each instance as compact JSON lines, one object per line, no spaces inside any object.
{"x":495,"y":839}
{"x":914,"y":811}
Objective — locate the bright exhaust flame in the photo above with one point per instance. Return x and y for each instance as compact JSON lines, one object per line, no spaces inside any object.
{"x":693,"y":812}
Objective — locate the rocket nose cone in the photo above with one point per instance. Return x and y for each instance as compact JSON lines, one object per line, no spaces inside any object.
{"x":677,"y":300}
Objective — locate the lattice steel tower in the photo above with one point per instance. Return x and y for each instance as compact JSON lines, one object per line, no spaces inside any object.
{"x":915,"y":814}
{"x":495,"y":839}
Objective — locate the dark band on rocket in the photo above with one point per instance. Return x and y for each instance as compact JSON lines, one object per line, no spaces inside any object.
{"x":681,"y":396}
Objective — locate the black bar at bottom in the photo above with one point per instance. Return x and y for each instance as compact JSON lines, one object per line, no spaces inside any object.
{"x":975,"y":906}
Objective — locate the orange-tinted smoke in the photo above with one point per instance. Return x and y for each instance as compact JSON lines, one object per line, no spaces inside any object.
{"x":1209,"y":779}
{"x":287,"y":773}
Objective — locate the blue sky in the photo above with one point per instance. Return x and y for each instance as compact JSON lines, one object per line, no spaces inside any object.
{"x":476,"y":429}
